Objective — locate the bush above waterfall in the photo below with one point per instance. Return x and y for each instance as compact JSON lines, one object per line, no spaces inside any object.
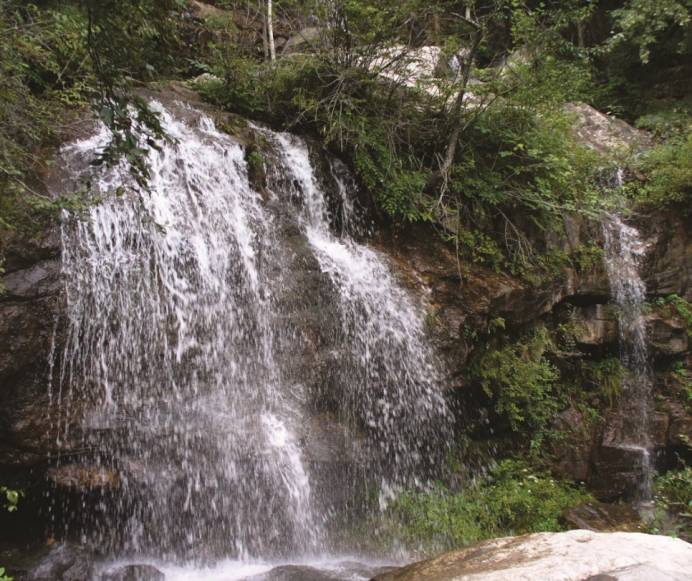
{"x":667,"y":171}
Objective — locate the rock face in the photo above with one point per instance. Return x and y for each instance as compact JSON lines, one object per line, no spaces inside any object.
{"x":572,"y":556}
{"x":28,"y":311}
{"x":605,"y":134}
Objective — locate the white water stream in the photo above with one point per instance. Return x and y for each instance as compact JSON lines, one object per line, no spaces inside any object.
{"x":180,"y":366}
{"x":624,"y":251}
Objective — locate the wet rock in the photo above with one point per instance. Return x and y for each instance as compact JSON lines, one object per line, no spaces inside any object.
{"x":294,"y":573}
{"x":596,"y":326}
{"x":667,"y":335}
{"x":615,"y":472}
{"x":659,"y":424}
{"x":64,"y":563}
{"x":133,"y":573}
{"x":597,"y":516}
{"x":572,"y":455}
{"x":570,"y":556}
{"x":668,"y":265}
{"x":302,"y":40}
{"x":603,"y":133}
{"x":680,"y":428}
{"x":83,"y":478}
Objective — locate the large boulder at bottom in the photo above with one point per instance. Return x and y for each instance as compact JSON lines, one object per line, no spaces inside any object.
{"x":572,"y":556}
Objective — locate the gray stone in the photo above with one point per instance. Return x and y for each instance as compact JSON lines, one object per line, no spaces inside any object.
{"x":134,"y":573}
{"x":303,"y":39}
{"x":64,"y":563}
{"x":603,"y":133}
{"x":570,"y":556}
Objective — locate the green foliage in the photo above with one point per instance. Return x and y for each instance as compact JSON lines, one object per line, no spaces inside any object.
{"x":668,"y":119}
{"x":58,"y":57}
{"x":673,"y":496}
{"x":11,"y":498}
{"x":587,"y":257}
{"x":642,"y":22}
{"x":521,"y":382}
{"x":675,"y":305}
{"x":10,"y":505}
{"x":606,"y":375}
{"x":684,"y":377}
{"x":668,"y":175}
{"x":512,"y":499}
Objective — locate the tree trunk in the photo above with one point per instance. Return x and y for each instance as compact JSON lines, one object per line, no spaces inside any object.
{"x":458,"y":108}
{"x":270,"y":32}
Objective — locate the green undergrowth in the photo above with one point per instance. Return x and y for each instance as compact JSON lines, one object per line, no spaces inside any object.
{"x":512,"y":499}
{"x":676,"y":306}
{"x":673,"y":496}
{"x":522,"y":381}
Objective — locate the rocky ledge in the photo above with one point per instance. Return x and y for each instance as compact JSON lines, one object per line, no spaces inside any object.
{"x":572,"y":556}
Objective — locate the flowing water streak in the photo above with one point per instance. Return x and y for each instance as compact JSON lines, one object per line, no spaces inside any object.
{"x":170,"y":355}
{"x":624,"y":250}
{"x":390,"y":378}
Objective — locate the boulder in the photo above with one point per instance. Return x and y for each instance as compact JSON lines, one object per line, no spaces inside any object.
{"x":133,"y":573}
{"x":603,"y":133}
{"x":203,"y":10}
{"x":294,"y":573}
{"x":64,"y":563}
{"x":572,"y":556}
{"x":303,"y":39}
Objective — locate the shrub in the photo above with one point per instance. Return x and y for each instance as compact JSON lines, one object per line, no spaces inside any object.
{"x":512,"y":499}
{"x":522,"y":384}
{"x":668,"y":175}
{"x":673,"y":495}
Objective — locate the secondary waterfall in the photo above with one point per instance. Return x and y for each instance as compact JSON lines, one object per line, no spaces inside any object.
{"x":624,"y":250}
{"x":243,"y":369}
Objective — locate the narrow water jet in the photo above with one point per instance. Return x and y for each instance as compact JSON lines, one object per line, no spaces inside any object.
{"x":624,"y":251}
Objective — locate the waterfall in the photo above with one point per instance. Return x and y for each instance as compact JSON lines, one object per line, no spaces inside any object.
{"x":624,"y":250}
{"x":183,"y":370}
{"x":388,"y":372}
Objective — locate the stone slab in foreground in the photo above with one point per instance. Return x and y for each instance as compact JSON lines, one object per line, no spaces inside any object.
{"x":572,"y":556}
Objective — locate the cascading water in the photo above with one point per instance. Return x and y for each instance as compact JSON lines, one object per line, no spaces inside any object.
{"x":624,"y":250}
{"x":387,"y":370}
{"x":180,"y":366}
{"x":170,"y":336}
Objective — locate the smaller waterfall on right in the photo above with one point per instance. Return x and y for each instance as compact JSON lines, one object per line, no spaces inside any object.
{"x":624,"y":250}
